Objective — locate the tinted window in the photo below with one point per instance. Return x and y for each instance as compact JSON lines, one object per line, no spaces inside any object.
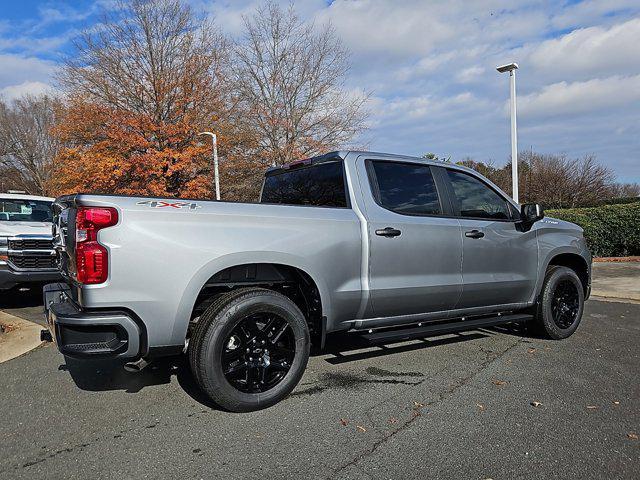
{"x":319,"y":185}
{"x":406,"y":188}
{"x":476,"y":199}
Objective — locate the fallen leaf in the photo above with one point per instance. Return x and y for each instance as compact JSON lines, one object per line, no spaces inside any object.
{"x":531,"y":350}
{"x":361,"y":428}
{"x":615,"y":402}
{"x":480,"y":407}
{"x":418,"y":405}
{"x":592,"y":407}
{"x":499,"y":383}
{"x":536,"y":404}
{"x":632,"y":436}
{"x":393,"y":420}
{"x":344,"y":422}
{"x":416,"y":413}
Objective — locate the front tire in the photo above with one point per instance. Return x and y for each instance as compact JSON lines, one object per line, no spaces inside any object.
{"x":249,"y":349}
{"x":561,"y":303}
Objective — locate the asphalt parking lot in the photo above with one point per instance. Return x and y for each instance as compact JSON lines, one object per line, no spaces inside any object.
{"x":458,"y":406}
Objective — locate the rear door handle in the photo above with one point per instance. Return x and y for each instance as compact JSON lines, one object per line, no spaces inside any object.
{"x":474,"y":234}
{"x":388,"y":232}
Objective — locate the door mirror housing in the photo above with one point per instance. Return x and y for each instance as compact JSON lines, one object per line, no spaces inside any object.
{"x":531,"y":213}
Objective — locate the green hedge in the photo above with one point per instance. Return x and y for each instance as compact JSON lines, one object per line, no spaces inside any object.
{"x":610,"y":230}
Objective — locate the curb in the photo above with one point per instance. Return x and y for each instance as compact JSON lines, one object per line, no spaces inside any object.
{"x":603,"y":298}
{"x":616,"y":259}
{"x":23,"y":337}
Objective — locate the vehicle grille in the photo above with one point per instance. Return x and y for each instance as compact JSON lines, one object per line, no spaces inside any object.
{"x":30,"y":244}
{"x":33,"y":262}
{"x":32,"y":253}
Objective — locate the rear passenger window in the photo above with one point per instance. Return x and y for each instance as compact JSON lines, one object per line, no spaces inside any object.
{"x":477,"y":200}
{"x":406,"y":188}
{"x":320,"y":185}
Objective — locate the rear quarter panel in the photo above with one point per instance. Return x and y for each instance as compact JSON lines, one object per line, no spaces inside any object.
{"x":161,"y":257}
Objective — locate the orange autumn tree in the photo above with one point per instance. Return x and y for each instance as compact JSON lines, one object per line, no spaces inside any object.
{"x":139,"y":90}
{"x":115,"y":151}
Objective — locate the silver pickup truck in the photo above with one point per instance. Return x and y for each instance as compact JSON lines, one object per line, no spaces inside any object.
{"x":389,"y":247}
{"x":27,"y":257}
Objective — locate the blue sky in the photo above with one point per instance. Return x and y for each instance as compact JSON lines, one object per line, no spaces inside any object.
{"x":430,"y":69}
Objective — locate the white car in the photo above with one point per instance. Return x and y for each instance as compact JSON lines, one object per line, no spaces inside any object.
{"x":27,"y":256}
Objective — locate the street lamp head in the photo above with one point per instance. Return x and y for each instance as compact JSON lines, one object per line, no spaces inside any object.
{"x":207,"y":133}
{"x":507,"y":68}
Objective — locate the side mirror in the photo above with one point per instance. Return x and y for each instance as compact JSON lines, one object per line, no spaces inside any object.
{"x":531,"y":213}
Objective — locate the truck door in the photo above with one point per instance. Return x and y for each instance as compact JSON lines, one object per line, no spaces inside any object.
{"x":415,"y":253}
{"x":500,"y":261}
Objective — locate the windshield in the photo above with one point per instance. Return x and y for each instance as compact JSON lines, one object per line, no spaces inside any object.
{"x":14,"y":210}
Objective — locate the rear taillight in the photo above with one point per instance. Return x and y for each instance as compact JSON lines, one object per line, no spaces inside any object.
{"x":92,"y":259}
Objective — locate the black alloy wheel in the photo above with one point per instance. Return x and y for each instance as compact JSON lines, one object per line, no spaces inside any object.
{"x":560,"y":305}
{"x":249,"y":349}
{"x":565,"y":304}
{"x":258,"y":353}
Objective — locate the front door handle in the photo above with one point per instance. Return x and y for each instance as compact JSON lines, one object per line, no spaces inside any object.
{"x":474,"y":234}
{"x":388,"y":232}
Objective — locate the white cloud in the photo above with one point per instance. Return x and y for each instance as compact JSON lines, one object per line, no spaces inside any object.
{"x":594,"y":95}
{"x":17,"y":69}
{"x":593,"y":11}
{"x":36,"y":44}
{"x":417,"y":108}
{"x":593,"y":50}
{"x":13,"y":92}
{"x":229,"y":14}
{"x":470,"y":74}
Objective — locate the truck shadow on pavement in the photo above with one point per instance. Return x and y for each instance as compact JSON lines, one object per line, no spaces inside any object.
{"x":106,"y":375}
{"x":21,"y":298}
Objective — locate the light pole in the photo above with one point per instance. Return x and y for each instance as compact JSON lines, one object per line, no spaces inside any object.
{"x":214,"y":141}
{"x":511,"y":68}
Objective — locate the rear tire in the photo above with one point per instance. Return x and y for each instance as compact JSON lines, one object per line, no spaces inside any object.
{"x":561,"y":303}
{"x":249,"y":349}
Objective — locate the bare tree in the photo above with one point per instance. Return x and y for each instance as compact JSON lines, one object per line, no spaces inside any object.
{"x":152,"y":57}
{"x":569,"y":182}
{"x":27,"y":147}
{"x":289,"y":80}
{"x":558,"y":181}
{"x":626,"y":190}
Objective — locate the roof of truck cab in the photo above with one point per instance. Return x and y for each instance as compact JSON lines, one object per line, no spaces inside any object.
{"x":22,"y":196}
{"x":342,"y":154}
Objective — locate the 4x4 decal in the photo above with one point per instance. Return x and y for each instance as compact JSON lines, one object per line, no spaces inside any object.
{"x":163,"y":204}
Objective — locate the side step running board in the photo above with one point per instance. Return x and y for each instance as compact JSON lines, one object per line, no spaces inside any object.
{"x":458,"y":325}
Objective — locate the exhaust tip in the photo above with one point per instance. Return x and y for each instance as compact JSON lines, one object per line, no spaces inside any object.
{"x":137,"y":366}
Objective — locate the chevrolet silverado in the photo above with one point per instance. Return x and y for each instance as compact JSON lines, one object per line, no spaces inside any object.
{"x":386,"y":246}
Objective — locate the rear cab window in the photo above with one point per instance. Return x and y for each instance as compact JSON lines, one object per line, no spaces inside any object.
{"x":319,"y":185}
{"x":404,"y":188}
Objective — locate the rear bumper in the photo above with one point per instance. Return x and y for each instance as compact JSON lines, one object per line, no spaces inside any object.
{"x":89,"y":334}
{"x":12,"y":278}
